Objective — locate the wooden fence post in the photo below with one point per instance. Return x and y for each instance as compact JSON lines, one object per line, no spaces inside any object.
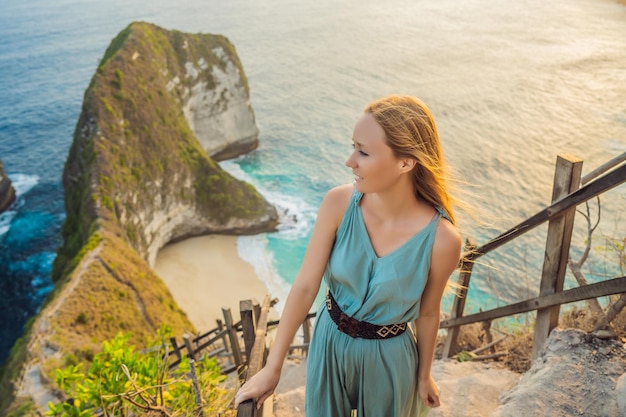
{"x":465,"y":273}
{"x":176,"y":348}
{"x":248,"y":324}
{"x":191,"y":354}
{"x":306,"y":331}
{"x":566,"y":180}
{"x":232,"y":336}
{"x":256,"y":360}
{"x":220,"y":327}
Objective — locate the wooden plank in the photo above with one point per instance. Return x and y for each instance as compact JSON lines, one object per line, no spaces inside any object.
{"x":306,"y":331}
{"x":247,"y":409}
{"x":229,"y":370}
{"x":198,"y":339}
{"x":190,"y":352}
{"x":232,"y":337}
{"x":176,"y":350}
{"x":194,"y":378}
{"x":275,"y":322}
{"x":248,"y":323}
{"x":603,"y":168}
{"x":601,"y":185}
{"x":599,"y":289}
{"x":465,"y":273}
{"x":566,"y":180}
{"x":221,"y":335}
{"x":216,"y":352}
{"x":257,"y":356}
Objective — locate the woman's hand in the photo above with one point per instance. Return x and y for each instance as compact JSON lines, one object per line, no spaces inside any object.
{"x":429,"y":392}
{"x":260,"y":386}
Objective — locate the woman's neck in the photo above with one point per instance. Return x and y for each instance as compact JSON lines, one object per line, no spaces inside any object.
{"x":395,"y":202}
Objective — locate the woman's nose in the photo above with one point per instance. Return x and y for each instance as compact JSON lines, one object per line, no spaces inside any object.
{"x":350,"y":161}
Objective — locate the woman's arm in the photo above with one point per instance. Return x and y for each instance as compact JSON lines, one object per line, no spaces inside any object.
{"x":301,"y":295}
{"x":444,"y":260}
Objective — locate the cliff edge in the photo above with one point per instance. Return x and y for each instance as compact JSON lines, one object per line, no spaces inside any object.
{"x":139,"y":174}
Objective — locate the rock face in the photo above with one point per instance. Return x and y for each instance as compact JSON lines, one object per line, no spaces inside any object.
{"x":148,"y":173}
{"x":136,"y":178}
{"x":7,"y":193}
{"x":220,"y":114}
{"x":576,"y":374}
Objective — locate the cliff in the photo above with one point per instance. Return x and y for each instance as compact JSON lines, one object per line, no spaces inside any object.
{"x":139,"y":174}
{"x":7,"y":193}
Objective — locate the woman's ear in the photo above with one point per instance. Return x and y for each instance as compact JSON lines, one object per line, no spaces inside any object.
{"x":407,"y":164}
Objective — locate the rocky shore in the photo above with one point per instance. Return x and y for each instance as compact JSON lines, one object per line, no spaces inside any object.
{"x":7,"y":193}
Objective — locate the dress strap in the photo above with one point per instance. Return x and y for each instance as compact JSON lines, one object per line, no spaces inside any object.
{"x":444,"y":214}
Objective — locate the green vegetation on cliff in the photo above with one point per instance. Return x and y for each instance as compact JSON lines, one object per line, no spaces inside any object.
{"x":135,"y":178}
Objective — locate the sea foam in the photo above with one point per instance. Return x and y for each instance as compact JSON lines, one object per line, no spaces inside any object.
{"x":296,"y":219}
{"x":22,"y":183}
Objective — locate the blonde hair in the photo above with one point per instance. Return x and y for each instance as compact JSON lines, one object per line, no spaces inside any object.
{"x":410,"y":132}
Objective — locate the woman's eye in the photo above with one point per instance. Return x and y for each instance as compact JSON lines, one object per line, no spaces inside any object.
{"x":360,"y":151}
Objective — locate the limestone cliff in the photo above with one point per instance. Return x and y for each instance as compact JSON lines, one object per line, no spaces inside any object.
{"x":7,"y":193}
{"x":136,"y":178}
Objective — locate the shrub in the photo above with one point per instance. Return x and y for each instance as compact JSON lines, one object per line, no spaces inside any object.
{"x":123,"y":381}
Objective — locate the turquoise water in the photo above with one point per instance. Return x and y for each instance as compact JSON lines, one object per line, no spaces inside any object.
{"x":511,"y":85}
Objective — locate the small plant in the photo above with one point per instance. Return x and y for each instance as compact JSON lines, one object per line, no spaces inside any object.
{"x":123,"y":381}
{"x":119,"y":78}
{"x":81,"y":318}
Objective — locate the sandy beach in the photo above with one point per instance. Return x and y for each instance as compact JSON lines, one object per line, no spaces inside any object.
{"x":205,"y":274}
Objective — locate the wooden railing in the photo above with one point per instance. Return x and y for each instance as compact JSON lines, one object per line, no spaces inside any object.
{"x":224,"y":342}
{"x":221,"y":342}
{"x":567,"y":194}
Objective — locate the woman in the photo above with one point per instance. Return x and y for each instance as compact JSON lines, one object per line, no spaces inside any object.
{"x":384,"y":252}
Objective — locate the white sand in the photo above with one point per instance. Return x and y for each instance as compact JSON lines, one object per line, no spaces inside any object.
{"x":205,"y":274}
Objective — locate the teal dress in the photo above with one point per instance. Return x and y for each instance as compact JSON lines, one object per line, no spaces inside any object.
{"x":377,"y":377}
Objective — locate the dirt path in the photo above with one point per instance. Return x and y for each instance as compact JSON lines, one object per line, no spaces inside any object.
{"x":467,"y":388}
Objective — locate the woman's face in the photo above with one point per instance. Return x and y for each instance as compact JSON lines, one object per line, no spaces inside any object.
{"x":373,"y":163}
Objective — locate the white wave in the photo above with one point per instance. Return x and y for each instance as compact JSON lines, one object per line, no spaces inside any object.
{"x":22,"y":184}
{"x":296,"y":217}
{"x":5,"y":221}
{"x":253,"y":249}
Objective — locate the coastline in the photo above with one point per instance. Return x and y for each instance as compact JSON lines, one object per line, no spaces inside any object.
{"x":205,"y":274}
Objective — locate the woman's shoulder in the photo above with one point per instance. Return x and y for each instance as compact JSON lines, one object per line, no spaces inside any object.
{"x":341,"y":193}
{"x":337,"y":200}
{"x":339,"y":197}
{"x":448,"y":241}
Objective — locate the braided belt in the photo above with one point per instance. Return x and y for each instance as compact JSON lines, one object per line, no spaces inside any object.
{"x":355,"y":328}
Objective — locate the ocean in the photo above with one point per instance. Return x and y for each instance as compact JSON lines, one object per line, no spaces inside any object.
{"x":511,"y":85}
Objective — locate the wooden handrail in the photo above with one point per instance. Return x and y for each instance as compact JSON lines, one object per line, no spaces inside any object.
{"x":603,"y":168}
{"x":592,"y":189}
{"x":600,"y":289}
{"x":560,"y":214}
